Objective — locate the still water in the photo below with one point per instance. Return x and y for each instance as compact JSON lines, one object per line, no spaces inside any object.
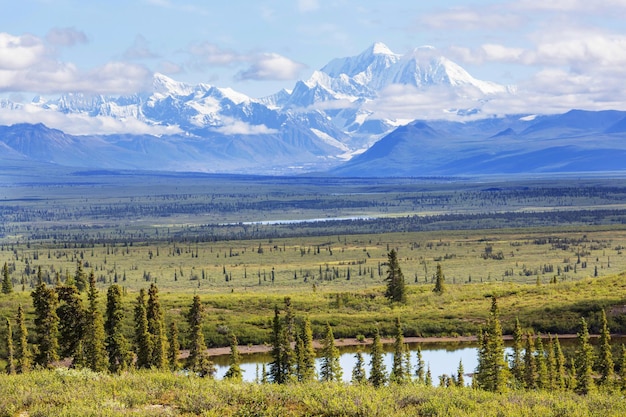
{"x":441,"y":358}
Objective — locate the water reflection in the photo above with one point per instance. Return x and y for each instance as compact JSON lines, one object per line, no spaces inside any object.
{"x":442,"y":359}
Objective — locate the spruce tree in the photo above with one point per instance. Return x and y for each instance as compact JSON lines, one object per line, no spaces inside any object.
{"x":23,"y":355}
{"x":530,"y":363}
{"x":143,"y":341}
{"x":308,"y":354}
{"x":396,"y":288}
{"x":439,"y":281}
{"x":72,"y":315}
{"x":276,"y":366}
{"x":605,"y":363}
{"x":559,"y":358}
{"x":80,"y":278}
{"x":45,"y":302}
{"x":622,"y":369}
{"x":428,"y":379}
{"x":517,"y":364}
{"x":551,"y":365}
{"x":96,"y":357}
{"x":173,"y":350}
{"x":584,"y":361}
{"x":330,"y":370}
{"x":397,"y":370}
{"x":198,"y":361}
{"x":460,"y":375}
{"x":378,"y":375}
{"x":419,"y":370}
{"x":156,"y":328}
{"x":542,"y":366}
{"x":10,"y":368}
{"x":234,"y":371}
{"x":358,"y":372}
{"x":493,"y":370}
{"x":299,"y":355}
{"x":7,"y":284}
{"x":117,"y":346}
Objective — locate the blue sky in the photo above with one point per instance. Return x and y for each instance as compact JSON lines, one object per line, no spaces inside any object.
{"x":568,"y":51}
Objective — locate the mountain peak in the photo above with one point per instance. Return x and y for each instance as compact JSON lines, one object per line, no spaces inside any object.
{"x":379,"y":48}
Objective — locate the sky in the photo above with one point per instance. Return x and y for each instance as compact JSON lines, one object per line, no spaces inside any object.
{"x":567,"y":53}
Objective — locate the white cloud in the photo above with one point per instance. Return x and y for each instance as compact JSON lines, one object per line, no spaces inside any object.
{"x":81,"y":124}
{"x":271,"y":67}
{"x":28,"y":64}
{"x":261,"y":66}
{"x":238,"y":127}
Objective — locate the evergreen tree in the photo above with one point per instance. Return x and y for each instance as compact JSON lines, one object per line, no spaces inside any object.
{"x":117,"y":346}
{"x":7,"y":284}
{"x":358,"y":372}
{"x":10,"y":368}
{"x":605,"y":364}
{"x":530,"y":364}
{"x":45,"y":302}
{"x":428,"y":379}
{"x":378,"y":376}
{"x":559,"y":358}
{"x":299,"y":354}
{"x":397,"y":370}
{"x":23,"y":355}
{"x":551,"y":364}
{"x":96,"y":357}
{"x":308,"y":354}
{"x":234,"y":371}
{"x":330,"y":370}
{"x":622,"y":370}
{"x":396,"y":289}
{"x":419,"y":370}
{"x":174,"y":347}
{"x":439,"y":281}
{"x":542,"y":367}
{"x":80,"y":278}
{"x":156,"y":328}
{"x":72,"y":314}
{"x":143,"y":342}
{"x":460,"y":375}
{"x":198,"y":360}
{"x":517,"y":364}
{"x":276,"y":366}
{"x":493,"y":370}
{"x":584,"y":361}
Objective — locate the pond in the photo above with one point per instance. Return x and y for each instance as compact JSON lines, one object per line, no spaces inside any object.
{"x":442,"y":359}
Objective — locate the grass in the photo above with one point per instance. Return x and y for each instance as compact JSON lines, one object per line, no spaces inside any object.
{"x":79,"y":393}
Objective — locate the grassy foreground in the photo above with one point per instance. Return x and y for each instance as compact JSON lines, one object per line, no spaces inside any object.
{"x":150,"y":393}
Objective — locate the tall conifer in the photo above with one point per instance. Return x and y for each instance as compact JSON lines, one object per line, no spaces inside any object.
{"x":396,"y":288}
{"x":605,"y":363}
{"x":23,"y":354}
{"x":398,"y":374}
{"x":72,"y":315}
{"x":143,"y":341}
{"x":117,"y":347}
{"x":10,"y":368}
{"x":584,"y":361}
{"x":45,"y":302}
{"x":7,"y":284}
{"x":198,"y":360}
{"x":156,"y":328}
{"x":96,"y":357}
{"x":330,"y":370}
{"x":378,"y":375}
{"x":173,"y":350}
{"x":234,"y":371}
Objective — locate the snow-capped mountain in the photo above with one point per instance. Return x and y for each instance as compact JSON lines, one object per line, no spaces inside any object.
{"x":320,"y":123}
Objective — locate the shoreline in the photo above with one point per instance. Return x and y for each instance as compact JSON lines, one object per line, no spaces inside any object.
{"x":255,"y":349}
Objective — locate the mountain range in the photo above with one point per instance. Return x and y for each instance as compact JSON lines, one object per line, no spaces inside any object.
{"x":330,"y":123}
